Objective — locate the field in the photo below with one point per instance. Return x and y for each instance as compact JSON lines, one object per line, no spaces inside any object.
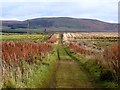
{"x":24,"y":37}
{"x":60,"y":60}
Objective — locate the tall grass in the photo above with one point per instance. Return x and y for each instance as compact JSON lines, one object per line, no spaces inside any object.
{"x":103,"y":70}
{"x":26,"y":75}
{"x":27,"y":64}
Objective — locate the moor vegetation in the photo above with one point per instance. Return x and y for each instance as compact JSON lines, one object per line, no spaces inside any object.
{"x":100,"y":60}
{"x":53,"y":60}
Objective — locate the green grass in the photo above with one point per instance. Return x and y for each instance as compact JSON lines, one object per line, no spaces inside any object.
{"x":62,"y":52}
{"x":73,"y":75}
{"x":24,"y":37}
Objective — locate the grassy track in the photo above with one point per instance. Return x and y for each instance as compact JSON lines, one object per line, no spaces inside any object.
{"x":68,"y":73}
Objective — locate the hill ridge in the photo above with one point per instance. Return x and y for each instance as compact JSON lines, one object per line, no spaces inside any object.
{"x":63,"y":22}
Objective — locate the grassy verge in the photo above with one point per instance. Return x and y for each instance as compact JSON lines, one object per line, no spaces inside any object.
{"x":101,"y":75}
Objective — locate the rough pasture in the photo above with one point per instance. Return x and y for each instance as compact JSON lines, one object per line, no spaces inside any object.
{"x":23,"y":50}
{"x":76,"y":48}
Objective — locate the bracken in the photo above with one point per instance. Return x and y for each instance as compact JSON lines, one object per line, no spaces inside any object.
{"x":23,"y":50}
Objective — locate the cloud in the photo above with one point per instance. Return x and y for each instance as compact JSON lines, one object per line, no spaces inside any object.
{"x":106,"y":10}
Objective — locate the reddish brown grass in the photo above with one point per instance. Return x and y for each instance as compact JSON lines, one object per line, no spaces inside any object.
{"x":112,"y":52}
{"x":23,"y":50}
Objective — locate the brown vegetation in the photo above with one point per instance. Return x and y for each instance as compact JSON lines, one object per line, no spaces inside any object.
{"x":23,"y":50}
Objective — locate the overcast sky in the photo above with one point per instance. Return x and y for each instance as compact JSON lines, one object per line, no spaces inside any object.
{"x":105,"y":10}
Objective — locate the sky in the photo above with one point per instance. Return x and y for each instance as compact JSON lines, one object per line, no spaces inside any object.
{"x":104,"y":10}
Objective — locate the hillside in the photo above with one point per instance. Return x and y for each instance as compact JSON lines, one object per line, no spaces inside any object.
{"x":62,"y":24}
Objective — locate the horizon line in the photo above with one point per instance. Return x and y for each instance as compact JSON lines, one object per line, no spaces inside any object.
{"x":58,"y":17}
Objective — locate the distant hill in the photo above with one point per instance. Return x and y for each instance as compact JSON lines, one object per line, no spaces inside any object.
{"x":62,"y":24}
